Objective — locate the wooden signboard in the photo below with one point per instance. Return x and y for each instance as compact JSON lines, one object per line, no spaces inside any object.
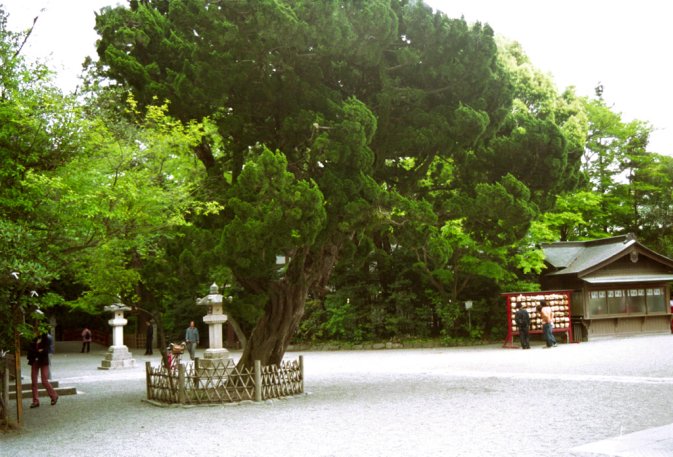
{"x":558,"y":300}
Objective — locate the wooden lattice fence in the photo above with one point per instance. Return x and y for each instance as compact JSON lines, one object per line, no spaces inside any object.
{"x":207,"y":382}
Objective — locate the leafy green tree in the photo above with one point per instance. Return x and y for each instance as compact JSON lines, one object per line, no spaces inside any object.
{"x":655,"y":203}
{"x":614,"y":160}
{"x":85,"y":200}
{"x":350,"y":93}
{"x":573,"y":217}
{"x":38,"y":133}
{"x":542,"y":139}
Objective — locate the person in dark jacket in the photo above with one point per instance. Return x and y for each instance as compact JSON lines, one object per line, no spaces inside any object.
{"x":522,"y":320}
{"x":149,"y":336}
{"x":38,"y":359}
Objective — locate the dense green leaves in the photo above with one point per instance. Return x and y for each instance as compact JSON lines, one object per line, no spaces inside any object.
{"x":38,"y":134}
{"x":400,"y":161}
{"x":274,"y":214}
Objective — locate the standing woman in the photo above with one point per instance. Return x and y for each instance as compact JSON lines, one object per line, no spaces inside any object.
{"x":38,"y":359}
{"x":86,"y":339}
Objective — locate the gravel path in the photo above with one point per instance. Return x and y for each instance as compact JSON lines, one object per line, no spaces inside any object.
{"x":475,"y":401}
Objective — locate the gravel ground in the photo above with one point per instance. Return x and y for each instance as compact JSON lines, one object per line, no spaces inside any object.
{"x":475,"y":401}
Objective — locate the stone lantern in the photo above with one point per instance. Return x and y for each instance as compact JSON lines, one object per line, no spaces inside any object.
{"x":215,"y":318}
{"x":118,"y":355}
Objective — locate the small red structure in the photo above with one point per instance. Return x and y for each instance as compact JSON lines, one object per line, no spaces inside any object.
{"x":558,"y":300}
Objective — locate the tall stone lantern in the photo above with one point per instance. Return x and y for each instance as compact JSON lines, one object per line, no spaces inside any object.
{"x":215,"y":318}
{"x":118,"y":355}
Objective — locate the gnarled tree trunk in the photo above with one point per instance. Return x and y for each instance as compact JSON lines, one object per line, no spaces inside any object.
{"x":284,"y":310}
{"x":271,"y":336}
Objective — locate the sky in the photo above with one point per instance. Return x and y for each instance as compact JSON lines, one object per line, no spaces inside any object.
{"x":621,"y":44}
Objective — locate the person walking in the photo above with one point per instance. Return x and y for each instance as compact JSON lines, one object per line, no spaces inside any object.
{"x":522,"y":320}
{"x":38,"y":359}
{"x":192,"y":339}
{"x":547,"y":323}
{"x":86,"y":339}
{"x":149,"y":335}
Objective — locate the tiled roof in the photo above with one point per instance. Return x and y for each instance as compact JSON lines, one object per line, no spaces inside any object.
{"x":573,"y":257}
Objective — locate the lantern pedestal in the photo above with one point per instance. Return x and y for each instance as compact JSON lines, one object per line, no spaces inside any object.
{"x":118,"y":355}
{"x":216,"y":357}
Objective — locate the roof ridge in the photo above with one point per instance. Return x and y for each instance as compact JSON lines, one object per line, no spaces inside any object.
{"x":595,"y":242}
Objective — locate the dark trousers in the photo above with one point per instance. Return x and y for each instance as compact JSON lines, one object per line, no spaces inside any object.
{"x":524,"y":337}
{"x":86,"y":346}
{"x":548,"y":332}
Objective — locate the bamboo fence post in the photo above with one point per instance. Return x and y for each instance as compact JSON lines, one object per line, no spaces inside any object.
{"x":181,"y":384}
{"x":197,"y":370}
{"x":301,"y":373}
{"x":258,"y":380}
{"x":148,"y":379}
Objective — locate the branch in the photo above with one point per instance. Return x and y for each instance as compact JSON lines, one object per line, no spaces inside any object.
{"x":25,"y":39}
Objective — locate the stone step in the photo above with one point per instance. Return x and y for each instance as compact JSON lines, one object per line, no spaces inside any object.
{"x":43,"y":392}
{"x":28,"y":385}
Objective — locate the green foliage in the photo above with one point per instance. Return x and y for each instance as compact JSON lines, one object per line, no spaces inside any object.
{"x":403,"y":162}
{"x":37,"y":134}
{"x":655,"y":203}
{"x":339,"y":323}
{"x":86,"y":200}
{"x":273,"y":214}
{"x":574,"y":217}
{"x":542,"y":139}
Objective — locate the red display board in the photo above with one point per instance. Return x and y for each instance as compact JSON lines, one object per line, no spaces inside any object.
{"x":558,"y":300}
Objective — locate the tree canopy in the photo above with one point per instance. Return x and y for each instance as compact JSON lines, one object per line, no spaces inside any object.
{"x":347,"y":169}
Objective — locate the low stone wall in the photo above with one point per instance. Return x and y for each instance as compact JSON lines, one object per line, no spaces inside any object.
{"x":364,"y":346}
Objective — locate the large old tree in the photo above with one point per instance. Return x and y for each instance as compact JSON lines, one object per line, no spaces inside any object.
{"x":323,"y":108}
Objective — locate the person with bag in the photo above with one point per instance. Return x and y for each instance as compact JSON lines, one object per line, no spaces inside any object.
{"x":38,"y":359}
